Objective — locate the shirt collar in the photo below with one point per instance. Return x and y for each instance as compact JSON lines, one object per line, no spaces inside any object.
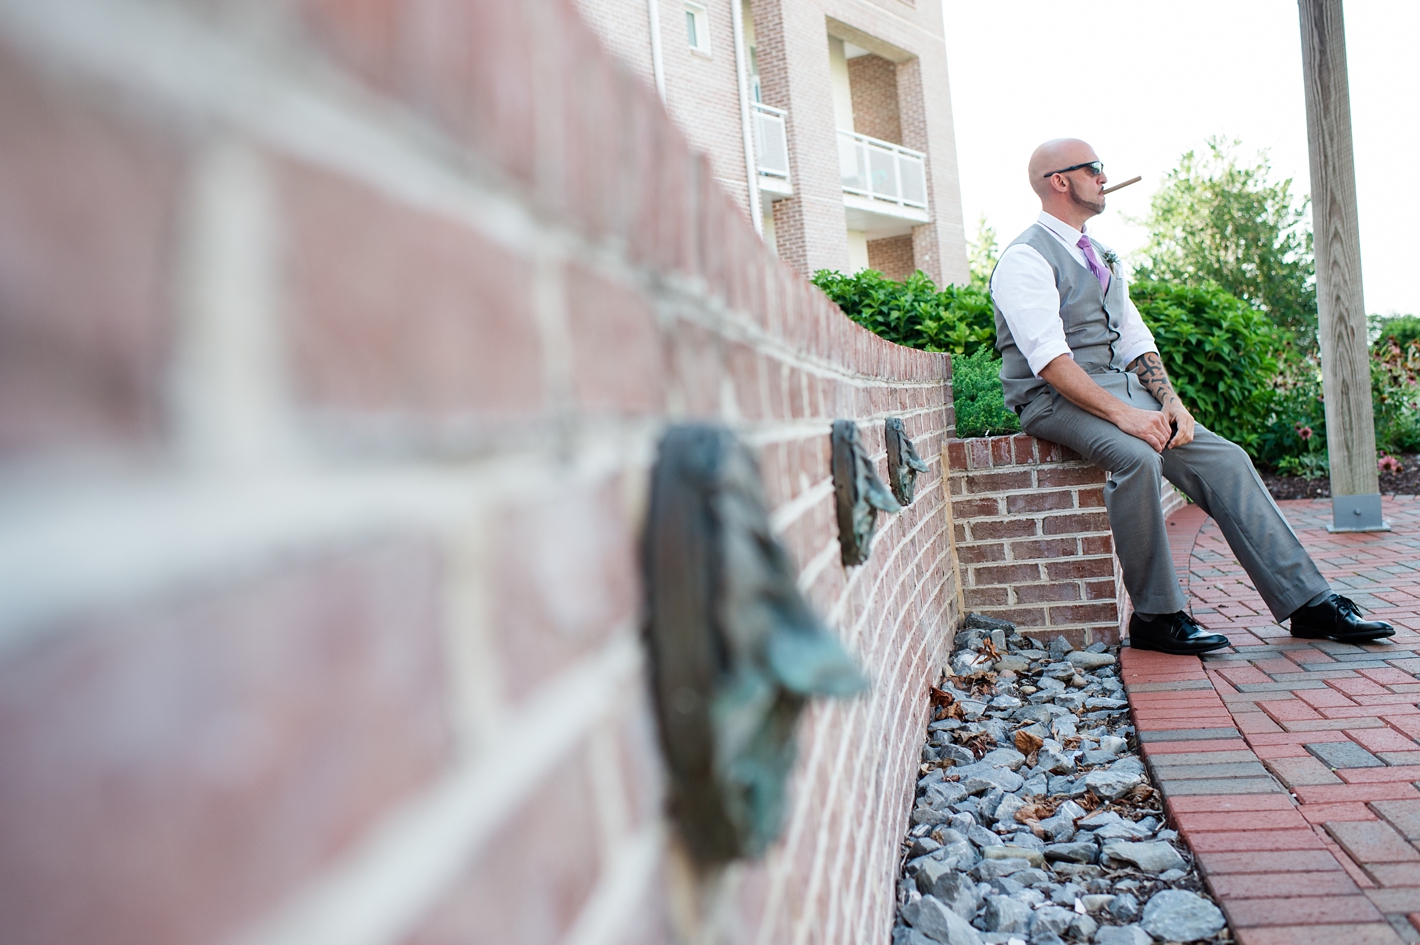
{"x":1060,"y":228}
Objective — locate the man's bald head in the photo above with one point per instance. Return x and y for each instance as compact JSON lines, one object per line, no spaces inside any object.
{"x":1072,"y":196}
{"x":1053,"y":155}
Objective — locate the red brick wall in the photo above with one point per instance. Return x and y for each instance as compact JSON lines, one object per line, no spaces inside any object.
{"x":1033,"y":537}
{"x":333,"y":378}
{"x":893,"y":256}
{"x":873,"y":80}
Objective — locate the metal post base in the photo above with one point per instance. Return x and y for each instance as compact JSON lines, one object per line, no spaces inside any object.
{"x":1357,"y":513}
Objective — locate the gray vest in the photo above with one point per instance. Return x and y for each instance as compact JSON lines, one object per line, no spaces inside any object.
{"x":1091,"y":318}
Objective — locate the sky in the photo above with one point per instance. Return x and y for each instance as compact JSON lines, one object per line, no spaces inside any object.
{"x":1146,"y":80}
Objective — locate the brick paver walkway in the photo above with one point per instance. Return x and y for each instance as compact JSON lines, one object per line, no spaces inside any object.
{"x":1291,"y":766}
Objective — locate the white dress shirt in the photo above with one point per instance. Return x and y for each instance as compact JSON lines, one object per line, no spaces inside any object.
{"x":1023,"y":286}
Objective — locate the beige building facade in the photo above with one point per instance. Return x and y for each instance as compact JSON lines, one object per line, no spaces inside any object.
{"x":831,"y":118}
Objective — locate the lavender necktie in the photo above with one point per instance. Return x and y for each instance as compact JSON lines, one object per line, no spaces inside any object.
{"x":1101,"y":273}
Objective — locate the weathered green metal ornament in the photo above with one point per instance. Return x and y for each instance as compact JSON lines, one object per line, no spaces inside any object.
{"x":735,"y":650}
{"x":903,"y":462}
{"x":859,"y":492}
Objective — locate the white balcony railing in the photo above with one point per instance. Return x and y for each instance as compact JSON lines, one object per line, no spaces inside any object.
{"x":770,"y":141}
{"x":881,"y":170}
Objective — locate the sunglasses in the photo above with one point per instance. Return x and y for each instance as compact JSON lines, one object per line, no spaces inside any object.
{"x":1096,"y":168}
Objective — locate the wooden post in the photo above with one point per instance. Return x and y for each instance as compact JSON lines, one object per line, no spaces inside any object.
{"x":1345,"y":359}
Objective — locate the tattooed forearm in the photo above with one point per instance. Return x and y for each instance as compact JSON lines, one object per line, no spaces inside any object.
{"x":1151,"y":374}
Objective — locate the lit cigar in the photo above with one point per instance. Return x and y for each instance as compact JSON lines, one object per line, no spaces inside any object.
{"x":1132,"y":180}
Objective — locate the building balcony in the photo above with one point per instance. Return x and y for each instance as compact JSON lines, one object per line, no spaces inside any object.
{"x":884,"y":185}
{"x":771,"y":145}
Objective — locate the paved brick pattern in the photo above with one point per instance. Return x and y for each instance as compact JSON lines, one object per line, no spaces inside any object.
{"x":1291,"y":766}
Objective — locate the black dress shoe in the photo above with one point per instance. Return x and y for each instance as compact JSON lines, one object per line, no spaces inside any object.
{"x":1337,"y":618}
{"x":1176,"y":633}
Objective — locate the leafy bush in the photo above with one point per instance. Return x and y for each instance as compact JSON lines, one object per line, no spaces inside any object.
{"x":1395,"y":394}
{"x":1293,"y":438}
{"x":976,"y":390}
{"x":1401,"y":329}
{"x":956,"y":319}
{"x":1217,"y":350}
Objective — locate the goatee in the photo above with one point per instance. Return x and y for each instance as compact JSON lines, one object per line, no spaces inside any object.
{"x":1097,"y":206}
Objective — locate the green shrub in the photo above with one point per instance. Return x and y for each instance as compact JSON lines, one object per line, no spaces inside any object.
{"x":1400,"y":329}
{"x":1294,"y":433}
{"x":976,"y":391}
{"x":956,"y":319}
{"x":1218,"y":351}
{"x":1395,"y":394}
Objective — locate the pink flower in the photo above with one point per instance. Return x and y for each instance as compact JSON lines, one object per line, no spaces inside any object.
{"x":1388,"y":464}
{"x":1305,"y":433}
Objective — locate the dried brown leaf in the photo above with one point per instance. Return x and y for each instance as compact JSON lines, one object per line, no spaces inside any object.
{"x":1028,"y":743}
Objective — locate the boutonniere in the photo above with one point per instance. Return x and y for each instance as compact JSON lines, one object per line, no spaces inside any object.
{"x":1111,"y":258}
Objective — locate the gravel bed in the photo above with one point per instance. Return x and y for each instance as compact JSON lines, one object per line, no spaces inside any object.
{"x":1035,"y":822}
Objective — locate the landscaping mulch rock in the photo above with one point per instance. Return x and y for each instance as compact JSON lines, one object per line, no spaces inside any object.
{"x":1405,"y":482}
{"x":1035,"y":823}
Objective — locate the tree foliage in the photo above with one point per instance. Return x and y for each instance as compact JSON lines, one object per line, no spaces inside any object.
{"x":1220,"y":218}
{"x":982,"y":254}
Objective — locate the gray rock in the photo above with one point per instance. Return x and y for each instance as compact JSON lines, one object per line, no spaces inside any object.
{"x":1059,"y":647}
{"x":1124,"y":907}
{"x":1176,"y":915}
{"x":1013,"y":663}
{"x":1060,"y":828}
{"x":1099,"y":757}
{"x":1052,"y":918}
{"x":1036,"y":784}
{"x":1082,"y":927}
{"x":1005,"y":914}
{"x":1128,"y":766}
{"x":1096,"y":901}
{"x":1152,"y":857}
{"x":926,"y":815}
{"x":1007,"y":852}
{"x":1056,"y":762}
{"x":944,"y":794}
{"x":987,"y":870}
{"x":1084,"y":659}
{"x":1072,"y":852}
{"x":961,"y":855}
{"x":1006,"y":810}
{"x":976,"y":621}
{"x":953,"y":888}
{"x":971,"y":709}
{"x":1122,"y":935}
{"x":1070,"y":701}
{"x":1041,"y":714}
{"x":982,"y":837}
{"x":1104,"y":702}
{"x":1109,"y":784}
{"x":981,"y":777}
{"x":1004,"y":757}
{"x":968,"y":663}
{"x":941,"y":924}
{"x":1172,"y":876}
{"x":923,"y":846}
{"x":1122,"y":830}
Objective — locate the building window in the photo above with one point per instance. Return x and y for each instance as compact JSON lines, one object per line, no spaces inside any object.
{"x":697,"y":27}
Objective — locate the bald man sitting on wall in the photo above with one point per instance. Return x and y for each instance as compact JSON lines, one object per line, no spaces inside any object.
{"x":1081,"y":369}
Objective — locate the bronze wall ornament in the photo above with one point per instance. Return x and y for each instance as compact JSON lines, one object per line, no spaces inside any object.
{"x":735,"y":650}
{"x":860,"y":493}
{"x":903,"y":462}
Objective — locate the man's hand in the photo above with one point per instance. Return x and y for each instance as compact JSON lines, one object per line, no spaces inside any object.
{"x":1148,"y":425}
{"x":1177,"y":414}
{"x":1079,"y":388}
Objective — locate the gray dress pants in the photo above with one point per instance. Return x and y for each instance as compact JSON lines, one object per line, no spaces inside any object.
{"x":1215,"y":473}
